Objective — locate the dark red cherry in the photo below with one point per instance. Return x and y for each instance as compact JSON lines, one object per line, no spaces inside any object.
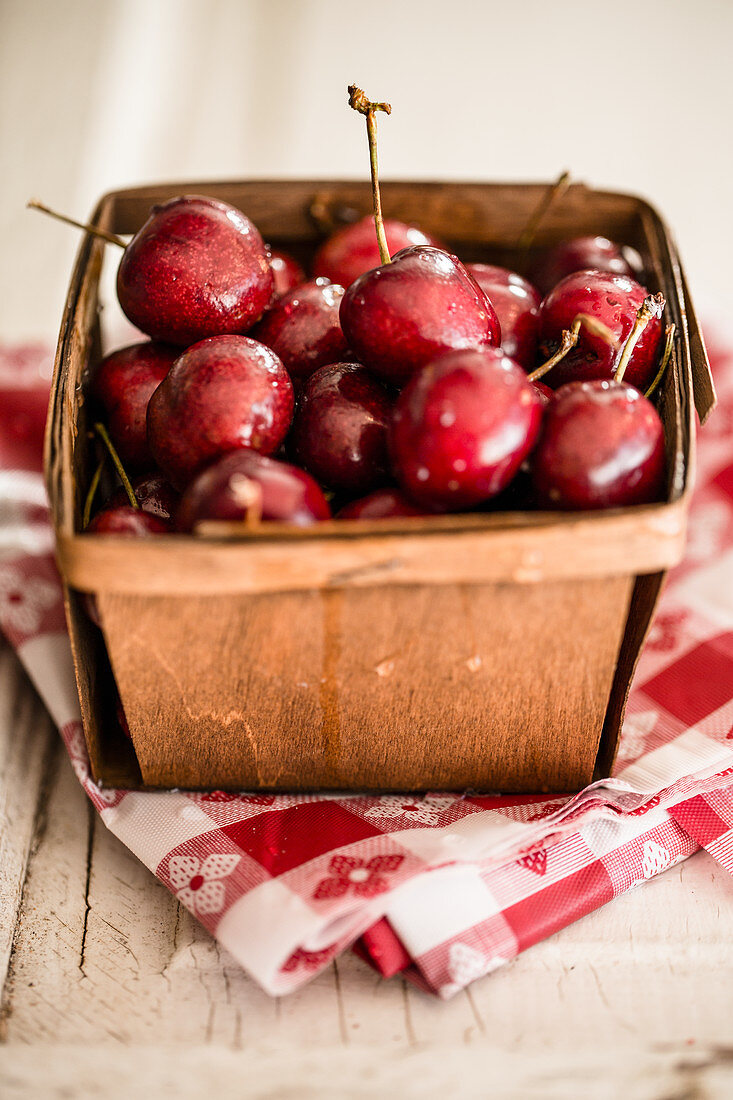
{"x":303,"y":328}
{"x":400,"y":316}
{"x":353,"y":250}
{"x":153,"y":493}
{"x":123,"y":383}
{"x":381,"y":504}
{"x":244,"y":485}
{"x":128,"y":522}
{"x":544,"y":392}
{"x":286,"y":272}
{"x":613,"y":300}
{"x":517,"y":305}
{"x":340,"y":428}
{"x":221,"y":394}
{"x":602,"y":446}
{"x":579,"y":254}
{"x":196,"y":268}
{"x":462,"y":427}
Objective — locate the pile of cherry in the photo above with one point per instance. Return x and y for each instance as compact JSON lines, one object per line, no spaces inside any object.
{"x":403,"y":387}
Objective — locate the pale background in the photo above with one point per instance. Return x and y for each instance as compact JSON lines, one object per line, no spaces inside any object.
{"x":95,"y":94}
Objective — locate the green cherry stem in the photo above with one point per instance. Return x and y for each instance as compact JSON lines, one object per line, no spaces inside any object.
{"x":104,"y":436}
{"x":569,"y":340}
{"x":360,"y":103}
{"x":93,"y":486}
{"x":552,"y":192}
{"x":111,"y":238}
{"x":651,"y":307}
{"x":668,"y":345}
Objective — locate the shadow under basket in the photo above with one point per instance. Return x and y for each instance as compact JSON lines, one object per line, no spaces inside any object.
{"x":487,"y":651}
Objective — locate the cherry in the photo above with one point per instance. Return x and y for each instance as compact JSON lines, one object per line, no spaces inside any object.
{"x":286,"y":272}
{"x":123,"y":383}
{"x":612,"y":299}
{"x":221,"y":394}
{"x":128,"y":522}
{"x":340,"y":428}
{"x":602,"y":446}
{"x":244,"y":485}
{"x":153,"y":493}
{"x":381,"y":504}
{"x":580,"y":254}
{"x":303,"y":328}
{"x":462,"y":427}
{"x":399,"y":316}
{"x":353,"y":250}
{"x":517,"y":305}
{"x":196,"y":268}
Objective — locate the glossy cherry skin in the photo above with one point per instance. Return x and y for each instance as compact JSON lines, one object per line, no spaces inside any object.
{"x":602,"y":446}
{"x":128,"y":522}
{"x":462,"y":427}
{"x":340,"y":428}
{"x":353,"y":250}
{"x":196,"y":268}
{"x":123,"y":383}
{"x":579,"y":254}
{"x":286,"y":272}
{"x":221,"y":394}
{"x":381,"y":504}
{"x":303,"y":328}
{"x":224,"y":491}
{"x":517,"y":305}
{"x":400,"y":316}
{"x":153,"y":493}
{"x":612,"y":299}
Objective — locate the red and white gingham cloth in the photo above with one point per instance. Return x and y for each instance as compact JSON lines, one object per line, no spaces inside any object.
{"x":444,"y":888}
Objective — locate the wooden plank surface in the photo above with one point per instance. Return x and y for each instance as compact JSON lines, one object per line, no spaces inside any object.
{"x":111,"y":984}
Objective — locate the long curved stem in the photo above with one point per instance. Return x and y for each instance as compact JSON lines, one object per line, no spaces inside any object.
{"x":553,"y":192}
{"x":360,"y":103}
{"x":111,"y":238}
{"x":668,"y":345}
{"x":570,"y":339}
{"x":651,"y":307}
{"x":93,"y":486}
{"x":104,"y":436}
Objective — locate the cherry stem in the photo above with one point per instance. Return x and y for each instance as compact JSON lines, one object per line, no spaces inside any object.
{"x":552,"y":192}
{"x":104,"y":436}
{"x":360,"y":103}
{"x":112,"y":238}
{"x":651,"y":307}
{"x":668,"y":345}
{"x":93,"y":486}
{"x":570,"y":339}
{"x":248,"y":495}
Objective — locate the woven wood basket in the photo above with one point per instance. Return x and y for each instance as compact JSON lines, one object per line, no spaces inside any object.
{"x":486,"y":651}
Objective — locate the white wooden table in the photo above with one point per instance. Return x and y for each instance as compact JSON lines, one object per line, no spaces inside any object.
{"x":113,"y":990}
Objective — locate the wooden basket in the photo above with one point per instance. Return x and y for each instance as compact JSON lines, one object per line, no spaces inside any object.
{"x":486,"y":651}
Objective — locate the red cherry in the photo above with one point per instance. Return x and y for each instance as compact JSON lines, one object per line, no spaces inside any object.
{"x":154,"y":495}
{"x":303,"y":328}
{"x":340,"y":428}
{"x":246,"y":485}
{"x":196,"y":268}
{"x":462,"y":427}
{"x":123,"y":383}
{"x":221,"y":394}
{"x":127,"y":522}
{"x":602,"y":446}
{"x":286,"y":272}
{"x":353,"y":250}
{"x":612,"y":299}
{"x":400,"y":316}
{"x":579,"y":254}
{"x":381,"y":504}
{"x":517,"y":305}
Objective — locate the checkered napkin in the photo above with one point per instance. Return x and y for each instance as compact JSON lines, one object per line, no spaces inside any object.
{"x":442,"y":887}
